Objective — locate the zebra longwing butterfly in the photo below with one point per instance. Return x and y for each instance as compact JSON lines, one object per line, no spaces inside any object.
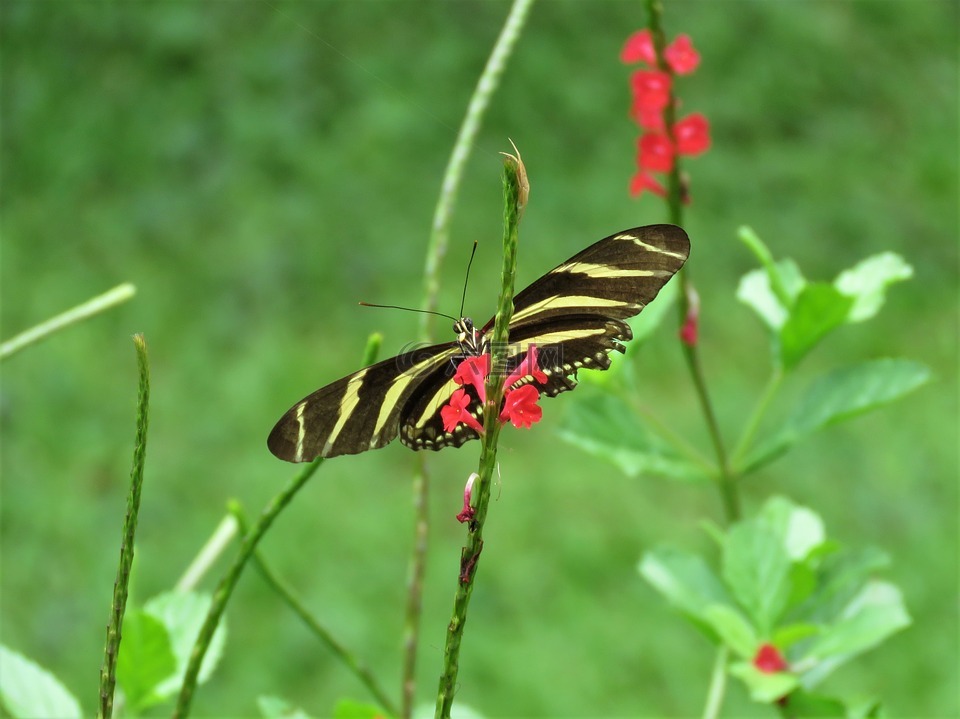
{"x":574,"y":315}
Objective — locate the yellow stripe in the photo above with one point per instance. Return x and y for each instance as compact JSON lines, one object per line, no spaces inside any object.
{"x":608,"y":271}
{"x":347,"y":405}
{"x":652,"y":248}
{"x":439,"y":398}
{"x":402,"y":382}
{"x":568,"y":301}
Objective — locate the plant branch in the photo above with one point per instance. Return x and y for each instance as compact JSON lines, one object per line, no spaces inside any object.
{"x":515,"y":193}
{"x":350,"y":660}
{"x":116,"y":296}
{"x":753,"y":423}
{"x":108,"y":671}
{"x":718,"y":685}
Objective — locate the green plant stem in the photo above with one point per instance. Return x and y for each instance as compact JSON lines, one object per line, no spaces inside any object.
{"x":726,"y":481}
{"x":226,"y":586}
{"x":515,"y":192}
{"x":108,"y":671}
{"x":349,"y":659}
{"x":117,"y":295}
{"x":250,"y":540}
{"x":718,"y":685}
{"x":436,"y":250}
{"x":208,"y":554}
{"x":677,"y":440}
{"x":753,"y":423}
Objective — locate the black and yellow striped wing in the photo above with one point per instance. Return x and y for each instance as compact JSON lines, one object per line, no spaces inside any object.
{"x":575,"y":315}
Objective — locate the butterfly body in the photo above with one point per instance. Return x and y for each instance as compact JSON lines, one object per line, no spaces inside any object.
{"x":575,"y":315}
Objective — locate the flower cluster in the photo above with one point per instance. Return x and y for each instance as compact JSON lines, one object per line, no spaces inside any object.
{"x":659,"y":145}
{"x":519,"y":405}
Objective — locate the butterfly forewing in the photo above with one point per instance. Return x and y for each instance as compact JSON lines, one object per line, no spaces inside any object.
{"x":574,"y":314}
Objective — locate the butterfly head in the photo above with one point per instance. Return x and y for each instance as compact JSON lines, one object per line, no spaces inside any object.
{"x":466,"y":334}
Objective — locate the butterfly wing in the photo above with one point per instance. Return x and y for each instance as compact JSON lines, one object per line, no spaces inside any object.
{"x":363,"y":410}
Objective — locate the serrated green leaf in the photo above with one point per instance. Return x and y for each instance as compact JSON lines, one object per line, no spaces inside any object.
{"x":763,"y":687}
{"x":818,"y":309}
{"x":684,"y":579}
{"x":276,"y":708}
{"x":840,"y":577}
{"x":868,"y":280}
{"x":733,"y":629}
{"x":606,"y":427}
{"x":28,"y":691}
{"x":183,"y":614}
{"x":756,"y":569}
{"x":145,"y":659}
{"x":870,"y":617}
{"x":838,"y":396}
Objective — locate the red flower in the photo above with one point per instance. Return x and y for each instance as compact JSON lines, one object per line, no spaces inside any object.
{"x":643,"y":180}
{"x":520,"y":406}
{"x":691,"y":323}
{"x":769,"y":660}
{"x":639,"y":48}
{"x":651,"y":90}
{"x":692,"y":134}
{"x":474,"y":371}
{"x":681,"y":56}
{"x":528,"y":366}
{"x":655,"y":152}
{"x":455,"y":412}
{"x":648,"y":119}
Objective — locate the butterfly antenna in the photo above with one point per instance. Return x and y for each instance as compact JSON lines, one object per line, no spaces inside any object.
{"x":466,"y":279}
{"x":407,"y":309}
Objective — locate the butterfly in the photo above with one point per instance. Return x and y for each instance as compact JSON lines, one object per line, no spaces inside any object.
{"x":574,"y":314}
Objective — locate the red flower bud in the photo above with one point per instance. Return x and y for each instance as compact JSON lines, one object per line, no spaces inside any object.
{"x":681,"y":57}
{"x":639,"y":48}
{"x":769,"y":660}
{"x":692,"y":134}
{"x":655,"y":152}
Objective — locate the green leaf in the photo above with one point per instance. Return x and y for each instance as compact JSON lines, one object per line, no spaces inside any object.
{"x":801,"y":529}
{"x":818,"y":309}
{"x":183,"y":613}
{"x":784,"y":280}
{"x":347,"y":709}
{"x":732,"y":628}
{"x":28,"y":691}
{"x":873,"y":615}
{"x":763,"y":687}
{"x":276,"y":708}
{"x":756,"y":568}
{"x":145,"y":659}
{"x":840,"y":395}
{"x":644,"y":324}
{"x":684,"y":579}
{"x":867,"y":282}
{"x":787,"y":635}
{"x":841,"y":576}
{"x":804,"y":705}
{"x":756,"y":292}
{"x":606,"y":427}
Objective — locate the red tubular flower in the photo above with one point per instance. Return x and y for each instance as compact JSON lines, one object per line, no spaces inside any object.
{"x":681,"y":56}
{"x":643,"y":180}
{"x":474,"y":371}
{"x":521,"y":408}
{"x":651,"y":90}
{"x":692,"y":134}
{"x":528,"y":366}
{"x":455,"y":412}
{"x":655,"y":152}
{"x":639,"y":48}
{"x":769,"y":660}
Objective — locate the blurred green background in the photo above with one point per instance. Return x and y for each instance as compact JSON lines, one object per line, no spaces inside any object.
{"x":257,"y":168}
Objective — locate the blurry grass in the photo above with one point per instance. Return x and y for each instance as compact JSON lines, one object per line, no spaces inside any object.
{"x":255,"y":169}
